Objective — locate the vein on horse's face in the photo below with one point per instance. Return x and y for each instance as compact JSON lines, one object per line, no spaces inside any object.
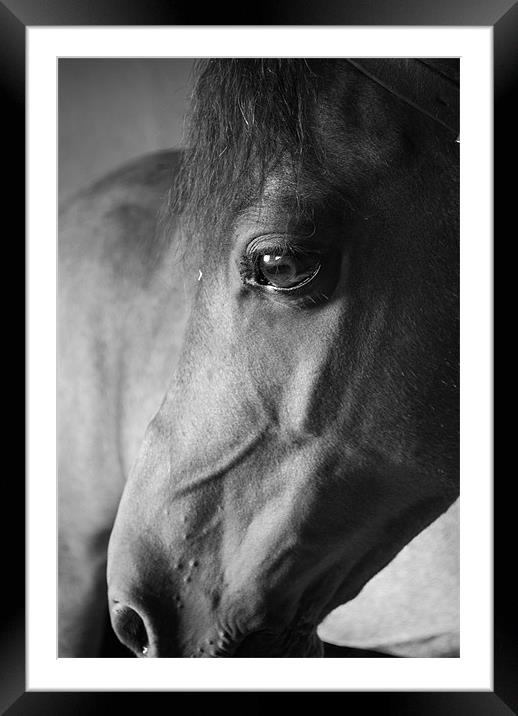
{"x":203,"y":475}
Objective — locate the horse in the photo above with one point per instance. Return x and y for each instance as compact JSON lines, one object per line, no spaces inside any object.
{"x":258,"y":369}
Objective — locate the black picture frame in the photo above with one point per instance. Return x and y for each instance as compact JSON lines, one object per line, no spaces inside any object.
{"x":15,"y":17}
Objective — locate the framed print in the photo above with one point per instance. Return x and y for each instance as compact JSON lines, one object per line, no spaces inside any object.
{"x":132,"y":59}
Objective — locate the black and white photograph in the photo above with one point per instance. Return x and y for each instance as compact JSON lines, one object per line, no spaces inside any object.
{"x":258,"y":357}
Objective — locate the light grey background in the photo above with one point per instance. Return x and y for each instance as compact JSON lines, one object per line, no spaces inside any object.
{"x":114,"y":110}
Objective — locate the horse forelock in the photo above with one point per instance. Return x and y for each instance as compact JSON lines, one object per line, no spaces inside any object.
{"x":255,"y":124}
{"x":248,"y":119}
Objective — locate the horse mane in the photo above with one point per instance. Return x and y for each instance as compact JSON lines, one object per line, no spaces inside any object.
{"x":247,"y":117}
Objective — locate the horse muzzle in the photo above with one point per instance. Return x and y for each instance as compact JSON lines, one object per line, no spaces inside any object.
{"x":149,"y":635}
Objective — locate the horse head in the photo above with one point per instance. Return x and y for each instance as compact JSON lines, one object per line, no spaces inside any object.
{"x":310,"y":430}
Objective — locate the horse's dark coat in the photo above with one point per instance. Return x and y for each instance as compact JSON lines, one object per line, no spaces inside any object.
{"x":305,"y":438}
{"x":252,"y":118}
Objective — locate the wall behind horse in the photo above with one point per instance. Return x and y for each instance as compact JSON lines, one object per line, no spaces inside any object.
{"x":113,"y":110}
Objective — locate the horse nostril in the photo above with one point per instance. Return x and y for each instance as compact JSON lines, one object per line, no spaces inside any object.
{"x":130,"y":629}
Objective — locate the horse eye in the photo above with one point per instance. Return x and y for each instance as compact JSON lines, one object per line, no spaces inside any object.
{"x":286,"y":271}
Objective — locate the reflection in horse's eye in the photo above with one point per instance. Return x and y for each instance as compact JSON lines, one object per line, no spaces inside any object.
{"x":286,"y":271}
